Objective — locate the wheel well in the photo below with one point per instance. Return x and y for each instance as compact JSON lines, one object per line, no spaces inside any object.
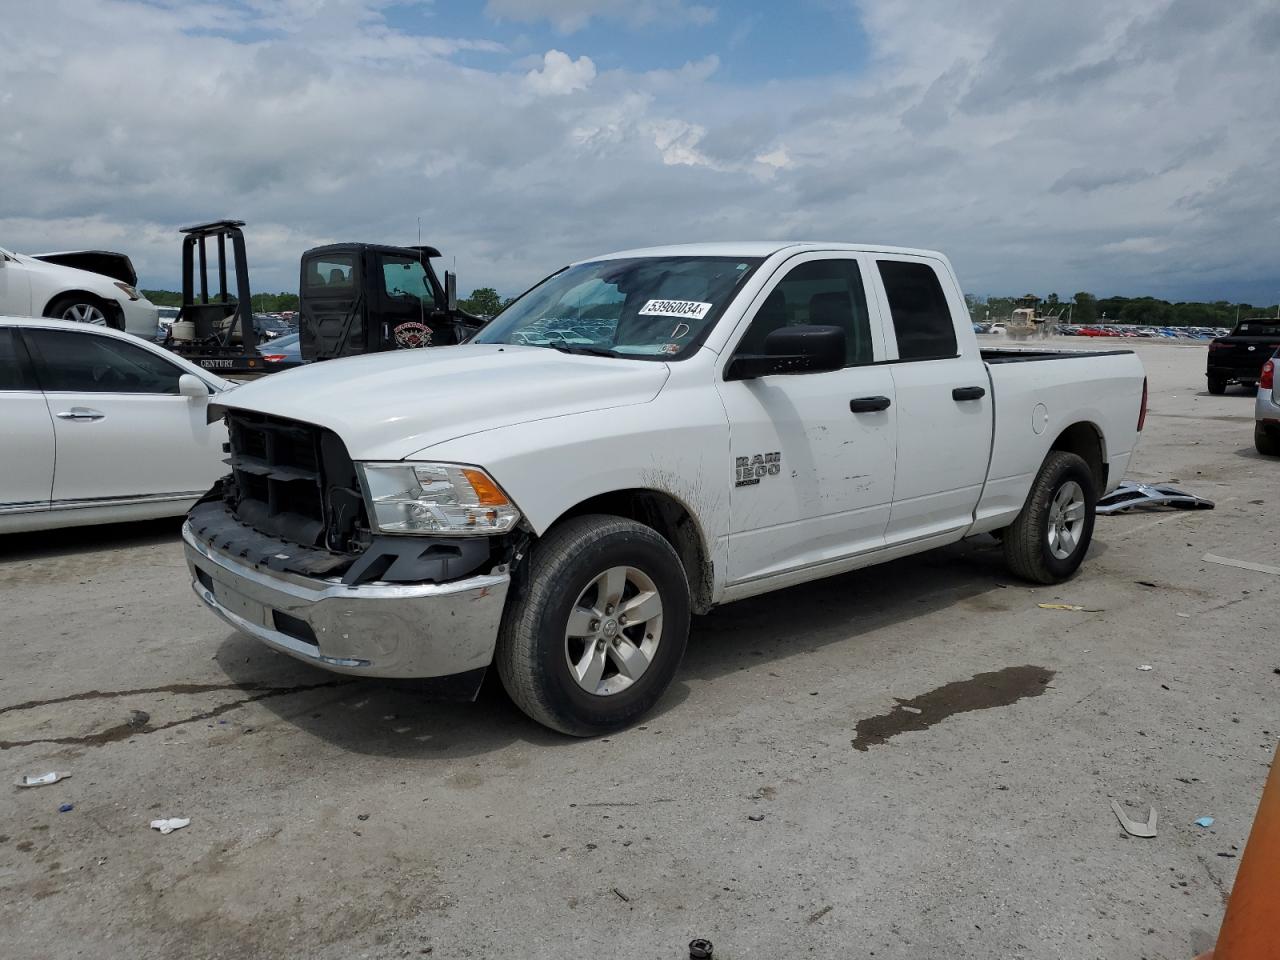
{"x":669,"y":517}
{"x":115,"y":314}
{"x":1085,"y":440}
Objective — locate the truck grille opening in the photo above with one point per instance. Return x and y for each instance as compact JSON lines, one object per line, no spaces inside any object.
{"x":294,"y":481}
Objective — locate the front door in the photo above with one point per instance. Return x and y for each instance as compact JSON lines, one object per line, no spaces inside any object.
{"x":813,"y":454}
{"x":122,"y":429}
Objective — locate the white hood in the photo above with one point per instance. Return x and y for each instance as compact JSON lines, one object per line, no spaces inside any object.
{"x":388,"y":406}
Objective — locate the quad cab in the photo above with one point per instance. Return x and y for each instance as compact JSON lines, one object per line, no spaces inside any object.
{"x":357,"y":298}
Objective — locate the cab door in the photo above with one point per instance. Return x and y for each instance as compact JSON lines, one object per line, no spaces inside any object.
{"x":945,"y":412}
{"x":813,"y":454}
{"x":26,"y":432}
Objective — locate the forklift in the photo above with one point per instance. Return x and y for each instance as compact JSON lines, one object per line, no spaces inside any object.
{"x":357,"y":298}
{"x":217,"y":334}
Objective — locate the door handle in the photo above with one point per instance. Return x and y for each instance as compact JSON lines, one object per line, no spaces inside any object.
{"x":80,"y":413}
{"x":869,"y":404}
{"x":968,"y":393}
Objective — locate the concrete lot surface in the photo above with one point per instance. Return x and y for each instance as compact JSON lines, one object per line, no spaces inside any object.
{"x":780,"y":802}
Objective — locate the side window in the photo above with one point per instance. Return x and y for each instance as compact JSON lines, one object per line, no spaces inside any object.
{"x":15,"y":372}
{"x":921,"y":317}
{"x":824,"y":293}
{"x":90,"y":363}
{"x":402,"y":277}
{"x":330,"y":272}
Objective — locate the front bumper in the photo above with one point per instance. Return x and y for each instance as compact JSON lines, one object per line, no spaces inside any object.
{"x":141,"y":317}
{"x":372,"y":630}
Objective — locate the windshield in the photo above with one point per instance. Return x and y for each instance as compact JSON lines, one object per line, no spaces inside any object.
{"x":657,"y":308}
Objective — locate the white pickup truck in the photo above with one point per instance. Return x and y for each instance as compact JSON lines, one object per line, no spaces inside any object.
{"x":639,"y":437}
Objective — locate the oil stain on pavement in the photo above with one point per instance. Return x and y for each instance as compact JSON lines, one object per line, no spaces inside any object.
{"x":999,"y":688}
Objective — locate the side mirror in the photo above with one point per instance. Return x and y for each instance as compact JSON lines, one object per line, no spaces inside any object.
{"x":792,"y":350}
{"x":451,"y":291}
{"x":192,"y":387}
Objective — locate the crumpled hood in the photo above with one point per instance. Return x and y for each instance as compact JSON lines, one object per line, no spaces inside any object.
{"x":387,"y":406}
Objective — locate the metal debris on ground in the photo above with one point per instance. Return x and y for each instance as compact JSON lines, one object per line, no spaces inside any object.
{"x":1205,"y":822}
{"x":1136,"y":828}
{"x":1132,"y":494}
{"x":66,"y":807}
{"x":1242,"y":564}
{"x":40,"y":780}
{"x":699,"y":949}
{"x":1144,"y":667}
{"x":621,"y":896}
{"x":1059,"y":606}
{"x":171,"y":824}
{"x":756,"y":817}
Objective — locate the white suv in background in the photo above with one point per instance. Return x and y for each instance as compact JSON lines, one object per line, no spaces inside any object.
{"x":32,"y":287}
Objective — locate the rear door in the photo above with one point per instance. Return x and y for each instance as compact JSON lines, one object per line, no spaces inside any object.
{"x":26,"y":450}
{"x":122,"y":431}
{"x":943,"y":400}
{"x":812,"y":472}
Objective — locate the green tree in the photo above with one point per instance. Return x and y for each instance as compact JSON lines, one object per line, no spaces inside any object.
{"x":483,"y":302}
{"x":1086,"y":308}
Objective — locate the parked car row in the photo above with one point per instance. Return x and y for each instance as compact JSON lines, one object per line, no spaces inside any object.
{"x":1143,"y":332}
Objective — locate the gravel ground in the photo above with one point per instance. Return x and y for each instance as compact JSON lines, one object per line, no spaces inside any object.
{"x":781,"y":801}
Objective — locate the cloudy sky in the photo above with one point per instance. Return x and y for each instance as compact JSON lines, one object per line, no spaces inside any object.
{"x":1121,"y":148}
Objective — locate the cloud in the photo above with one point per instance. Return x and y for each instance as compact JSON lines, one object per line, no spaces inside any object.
{"x":560,"y":74}
{"x":569,"y":16}
{"x":1114,"y":148}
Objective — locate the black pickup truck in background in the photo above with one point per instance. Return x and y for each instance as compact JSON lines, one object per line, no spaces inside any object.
{"x":1239,"y":356}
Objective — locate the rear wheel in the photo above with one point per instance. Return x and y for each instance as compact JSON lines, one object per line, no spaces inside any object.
{"x":1266,"y":440}
{"x":1217,"y":386}
{"x":1048,"y":540}
{"x":599,"y":628}
{"x":82,"y":309}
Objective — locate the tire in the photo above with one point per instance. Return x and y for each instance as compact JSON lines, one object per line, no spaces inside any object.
{"x":83,"y":309}
{"x":1217,"y":386}
{"x":1034,"y":541}
{"x":566,"y":581}
{"x":1266,"y":440}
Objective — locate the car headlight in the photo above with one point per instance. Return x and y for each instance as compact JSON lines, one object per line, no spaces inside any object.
{"x":444,"y":499}
{"x":130,"y":292}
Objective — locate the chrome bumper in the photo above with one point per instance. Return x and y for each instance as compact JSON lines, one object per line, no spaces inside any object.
{"x":372,"y":630}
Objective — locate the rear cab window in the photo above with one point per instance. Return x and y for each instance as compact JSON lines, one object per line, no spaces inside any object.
{"x":332,"y":273}
{"x":922,"y":319}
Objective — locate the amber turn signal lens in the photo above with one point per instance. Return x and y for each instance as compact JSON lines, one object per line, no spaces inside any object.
{"x":486,"y":490}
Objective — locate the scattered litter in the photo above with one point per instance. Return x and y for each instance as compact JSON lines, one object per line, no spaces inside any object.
{"x":819,"y":914}
{"x":910,"y":709}
{"x":139,"y":718}
{"x":1145,"y":666}
{"x":1147,"y":583}
{"x":1131,"y":494}
{"x":699,"y":949}
{"x":621,"y":896}
{"x":1059,"y":606}
{"x":66,"y":807}
{"x":1242,"y":564}
{"x":1231,"y":856}
{"x":1185,"y":616}
{"x":1136,"y":828}
{"x":43,"y":780}
{"x":362,"y":816}
{"x":1205,"y":822}
{"x":757,"y":817}
{"x":171,"y":824}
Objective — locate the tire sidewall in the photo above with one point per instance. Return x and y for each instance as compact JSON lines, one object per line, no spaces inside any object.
{"x":1065,"y":471}
{"x":660,"y":564}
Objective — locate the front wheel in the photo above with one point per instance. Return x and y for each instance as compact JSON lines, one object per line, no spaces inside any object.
{"x":1048,"y":540}
{"x":599,"y":628}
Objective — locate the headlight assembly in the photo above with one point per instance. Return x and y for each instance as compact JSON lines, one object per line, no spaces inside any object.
{"x":130,"y":292}
{"x":443,"y":499}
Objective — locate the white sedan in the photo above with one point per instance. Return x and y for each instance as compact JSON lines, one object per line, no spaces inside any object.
{"x":99,"y":427}
{"x":38,"y":287}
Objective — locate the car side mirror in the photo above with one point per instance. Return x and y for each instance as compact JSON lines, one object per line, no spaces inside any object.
{"x":451,"y":291}
{"x":787,"y":350}
{"x":192,"y":387}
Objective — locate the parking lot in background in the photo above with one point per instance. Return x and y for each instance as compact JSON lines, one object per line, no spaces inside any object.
{"x":777,"y":802}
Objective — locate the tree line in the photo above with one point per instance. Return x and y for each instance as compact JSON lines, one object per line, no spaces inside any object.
{"x":1086,"y":309}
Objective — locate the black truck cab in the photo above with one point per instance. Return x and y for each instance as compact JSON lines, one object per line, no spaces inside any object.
{"x":359,"y":298}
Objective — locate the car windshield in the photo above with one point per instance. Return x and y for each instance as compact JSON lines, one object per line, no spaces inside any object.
{"x":657,"y":308}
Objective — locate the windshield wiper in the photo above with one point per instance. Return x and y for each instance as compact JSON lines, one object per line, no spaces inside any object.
{"x":584,"y":351}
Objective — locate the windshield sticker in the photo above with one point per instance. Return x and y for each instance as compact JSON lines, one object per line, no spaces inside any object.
{"x":669,"y":348}
{"x":675,"y":308}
